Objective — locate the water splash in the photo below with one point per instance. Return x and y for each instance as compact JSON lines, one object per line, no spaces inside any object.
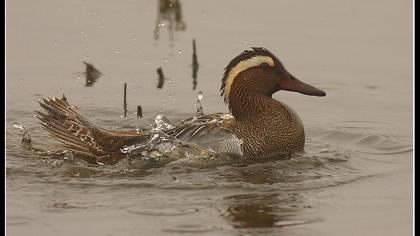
{"x":19,"y":126}
{"x":158,"y":145}
{"x":162,"y":123}
{"x":26,"y":137}
{"x":199,"y":108}
{"x":162,"y":148}
{"x":68,"y":156}
{"x":158,"y":148}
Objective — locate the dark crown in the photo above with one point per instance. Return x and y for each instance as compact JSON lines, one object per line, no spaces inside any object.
{"x":245,"y":55}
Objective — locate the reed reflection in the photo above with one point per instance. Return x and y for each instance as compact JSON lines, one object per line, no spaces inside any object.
{"x":170,"y":16}
{"x":91,"y":74}
{"x":194,"y":65}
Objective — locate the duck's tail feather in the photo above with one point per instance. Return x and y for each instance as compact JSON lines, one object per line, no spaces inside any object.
{"x":81,"y":136}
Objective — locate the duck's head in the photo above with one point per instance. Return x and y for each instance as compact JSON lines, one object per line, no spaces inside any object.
{"x":258,"y":72}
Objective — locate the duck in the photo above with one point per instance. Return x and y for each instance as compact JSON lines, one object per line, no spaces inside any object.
{"x":257,"y":125}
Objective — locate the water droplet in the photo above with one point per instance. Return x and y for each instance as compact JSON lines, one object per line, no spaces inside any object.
{"x":245,"y":41}
{"x":117,"y":52}
{"x":200,"y":96}
{"x":179,"y":51}
{"x":162,"y":123}
{"x":18,"y":125}
{"x":134,"y":39}
{"x":166,"y":60}
{"x":325,"y":150}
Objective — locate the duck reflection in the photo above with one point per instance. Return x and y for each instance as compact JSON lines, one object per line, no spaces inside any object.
{"x":91,"y":74}
{"x":260,"y":173}
{"x":264,"y":210}
{"x":170,"y":16}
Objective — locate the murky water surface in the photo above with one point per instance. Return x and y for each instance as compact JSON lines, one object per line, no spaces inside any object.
{"x":354,"y":179}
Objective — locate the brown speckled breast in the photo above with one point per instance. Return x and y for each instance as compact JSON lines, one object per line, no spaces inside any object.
{"x":271,"y":133}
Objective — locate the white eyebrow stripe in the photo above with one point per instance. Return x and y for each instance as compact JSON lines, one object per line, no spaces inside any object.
{"x":243,"y":65}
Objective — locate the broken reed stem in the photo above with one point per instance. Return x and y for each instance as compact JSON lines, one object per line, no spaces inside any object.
{"x":139,"y":111}
{"x":125,"y":100}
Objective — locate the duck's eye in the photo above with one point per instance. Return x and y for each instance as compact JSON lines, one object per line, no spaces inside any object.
{"x":264,"y":64}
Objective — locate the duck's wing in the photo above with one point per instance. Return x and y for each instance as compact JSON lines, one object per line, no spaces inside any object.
{"x":194,"y":127}
{"x":81,"y":136}
{"x":214,"y":131}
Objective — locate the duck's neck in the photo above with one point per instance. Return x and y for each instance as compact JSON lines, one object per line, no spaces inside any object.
{"x":248,"y":106}
{"x":246,"y":101}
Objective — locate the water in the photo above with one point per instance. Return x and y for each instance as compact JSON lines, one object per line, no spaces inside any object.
{"x":356,"y":175}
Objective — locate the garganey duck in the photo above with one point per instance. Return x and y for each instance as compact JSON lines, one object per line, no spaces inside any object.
{"x":258,"y":126}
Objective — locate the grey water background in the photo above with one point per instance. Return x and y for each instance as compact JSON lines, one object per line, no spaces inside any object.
{"x":356,"y":178}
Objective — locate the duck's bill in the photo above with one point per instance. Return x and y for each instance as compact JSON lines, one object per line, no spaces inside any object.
{"x":295,"y":85}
